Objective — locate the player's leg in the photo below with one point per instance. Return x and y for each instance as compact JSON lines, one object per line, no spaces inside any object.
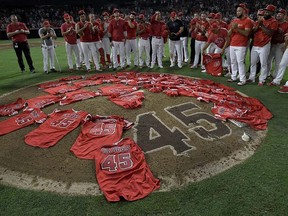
{"x":197,"y":53}
{"x":128,"y":52}
{"x":178,"y":47}
{"x":45,"y":58}
{"x":122,"y":54}
{"x":68,"y":48}
{"x":278,"y":57}
{"x":141,"y":49}
{"x":240,"y":55}
{"x":147,"y":51}
{"x":18,"y":50}
{"x":76,"y":54}
{"x":160,"y":52}
{"x":282,"y":68}
{"x":115,"y":49}
{"x":86,"y":51}
{"x":154,"y":51}
{"x":51,"y":53}
{"x":254,"y":57}
{"x":172,"y":52}
{"x":263,"y":55}
{"x":135,"y":52}
{"x":94,"y":53}
{"x":26,"y":51}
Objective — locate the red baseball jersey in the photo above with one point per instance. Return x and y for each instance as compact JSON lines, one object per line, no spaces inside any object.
{"x":61,"y":89}
{"x":71,"y":37}
{"x":96,"y":34}
{"x":22,"y":37}
{"x":118,"y":89}
{"x":12,"y":108}
{"x":117,"y":29}
{"x":122,"y":171}
{"x":145,"y":30}
{"x":55,"y":128}
{"x":218,"y":39}
{"x":79,"y":95}
{"x":42,"y":101}
{"x":156,"y":27}
{"x":27,"y":117}
{"x":201,"y":25}
{"x":131,"y":32}
{"x":213,"y":63}
{"x":99,"y":131}
{"x":87,"y":32}
{"x":238,"y":39}
{"x":85,"y":83}
{"x":129,"y":101}
{"x":51,"y":84}
{"x":71,"y":78}
{"x":278,"y":36}
{"x":260,"y":37}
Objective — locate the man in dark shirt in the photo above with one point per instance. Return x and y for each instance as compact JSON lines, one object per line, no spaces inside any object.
{"x":18,"y":32}
{"x":175,"y":27}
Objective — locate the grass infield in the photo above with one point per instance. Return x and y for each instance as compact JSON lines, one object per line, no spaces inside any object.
{"x":259,"y":186}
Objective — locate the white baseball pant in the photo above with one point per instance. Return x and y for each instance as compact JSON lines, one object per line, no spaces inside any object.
{"x":175,"y":45}
{"x":69,"y":49}
{"x":144,"y":45}
{"x":276,"y":53}
{"x":157,"y":50}
{"x":198,"y":49}
{"x":48,"y":56}
{"x":184,"y":42}
{"x":282,"y":68}
{"x":131,"y":45}
{"x":237,"y":55}
{"x":89,"y":48}
{"x":118,"y":48}
{"x":261,"y":53}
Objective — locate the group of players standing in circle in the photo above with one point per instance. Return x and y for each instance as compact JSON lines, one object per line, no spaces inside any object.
{"x":112,"y":41}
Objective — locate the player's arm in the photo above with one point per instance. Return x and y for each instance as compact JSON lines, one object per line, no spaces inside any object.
{"x":53,"y":34}
{"x":227,"y":43}
{"x":266,"y":30}
{"x":244,"y":32}
{"x":207,"y":44}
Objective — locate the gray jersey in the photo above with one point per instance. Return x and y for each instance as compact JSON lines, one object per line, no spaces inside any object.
{"x":48,"y":41}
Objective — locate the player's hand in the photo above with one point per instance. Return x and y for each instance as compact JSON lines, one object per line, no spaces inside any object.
{"x":234,"y":25}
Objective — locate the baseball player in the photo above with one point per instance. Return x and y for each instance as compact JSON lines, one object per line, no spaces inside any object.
{"x":18,"y":32}
{"x":69,"y":33}
{"x":131,"y":41}
{"x":97,"y":32}
{"x":84,"y":29}
{"x":239,"y":32}
{"x":118,"y":34}
{"x":277,"y":42}
{"x":282,"y":67}
{"x":200,"y":40}
{"x":47,"y":34}
{"x":143,"y":30}
{"x":192,"y":26}
{"x":175,"y":27}
{"x":184,"y":37}
{"x":263,"y":32}
{"x":105,"y":39}
{"x":157,"y":39}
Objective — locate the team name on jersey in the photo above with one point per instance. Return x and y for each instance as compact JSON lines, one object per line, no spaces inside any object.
{"x":116,"y":149}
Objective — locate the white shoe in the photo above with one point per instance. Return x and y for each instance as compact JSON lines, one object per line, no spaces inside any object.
{"x":172,"y":64}
{"x":160,"y":66}
{"x":186,"y":60}
{"x":152,"y":66}
{"x":241,"y":83}
{"x":179,"y":66}
{"x":193,"y":66}
{"x":227,"y":75}
{"x":203,"y":70}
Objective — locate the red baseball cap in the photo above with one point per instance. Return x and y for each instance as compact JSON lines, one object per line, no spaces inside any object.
{"x":81,"y":12}
{"x":46,"y":23}
{"x":173,"y":14}
{"x":218,"y":16}
{"x":214,"y":26}
{"x":271,"y":8}
{"x":282,"y":11}
{"x":105,"y":13}
{"x":66,"y":16}
{"x":260,"y":12}
{"x":211,"y":15}
{"x":244,"y":6}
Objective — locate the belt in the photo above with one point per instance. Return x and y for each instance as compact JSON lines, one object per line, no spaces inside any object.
{"x":143,"y":38}
{"x":158,"y":37}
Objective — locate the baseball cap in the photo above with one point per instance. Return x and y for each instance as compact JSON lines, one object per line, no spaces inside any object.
{"x":271,"y":8}
{"x":115,"y":10}
{"x":81,"y":12}
{"x":173,"y":14}
{"x":66,"y":16}
{"x":133,"y":13}
{"x":244,"y":6}
{"x":141,"y":16}
{"x":105,"y":14}
{"x":218,"y":16}
{"x":46,"y":23}
{"x":282,"y":11}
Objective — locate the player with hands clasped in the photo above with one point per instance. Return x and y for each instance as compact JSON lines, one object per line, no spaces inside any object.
{"x":48,"y":35}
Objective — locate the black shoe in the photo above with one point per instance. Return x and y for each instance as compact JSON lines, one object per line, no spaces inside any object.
{"x":32,"y":70}
{"x":53,"y":70}
{"x":23,"y":71}
{"x":46,"y":72}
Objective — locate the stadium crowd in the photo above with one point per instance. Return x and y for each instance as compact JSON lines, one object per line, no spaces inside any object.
{"x":109,"y":37}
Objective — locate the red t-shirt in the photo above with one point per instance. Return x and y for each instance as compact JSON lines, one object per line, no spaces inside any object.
{"x":55,"y":128}
{"x":42,"y":101}
{"x":146,"y":33}
{"x":218,"y":39}
{"x":87,"y":32}
{"x":71,"y":37}
{"x":131,"y":32}
{"x":238,"y":39}
{"x":278,"y":36}
{"x":156,"y":27}
{"x":12,"y":108}
{"x":117,"y":29}
{"x":99,"y":131}
{"x":122,"y":171}
{"x":22,"y":37}
{"x":27,"y":117}
{"x":260,"y":37}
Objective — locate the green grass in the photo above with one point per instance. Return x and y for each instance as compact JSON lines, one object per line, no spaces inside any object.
{"x":259,"y":186}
